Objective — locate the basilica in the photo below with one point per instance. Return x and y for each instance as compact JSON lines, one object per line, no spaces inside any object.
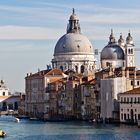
{"x":73,"y":50}
{"x":75,"y":88}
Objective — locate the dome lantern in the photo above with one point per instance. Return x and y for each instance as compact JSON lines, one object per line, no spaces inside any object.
{"x":73,"y":25}
{"x":111,"y":38}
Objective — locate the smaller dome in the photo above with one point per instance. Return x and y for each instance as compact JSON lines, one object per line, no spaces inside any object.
{"x":112,"y":52}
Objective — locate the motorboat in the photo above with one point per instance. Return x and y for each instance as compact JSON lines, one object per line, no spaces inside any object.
{"x":2,"y":133}
{"x":17,"y":120}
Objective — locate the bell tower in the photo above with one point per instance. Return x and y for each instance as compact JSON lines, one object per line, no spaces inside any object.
{"x":129,"y":51}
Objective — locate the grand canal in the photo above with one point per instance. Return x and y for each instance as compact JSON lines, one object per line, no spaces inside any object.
{"x":37,"y":130}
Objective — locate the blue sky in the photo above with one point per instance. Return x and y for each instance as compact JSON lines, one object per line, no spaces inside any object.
{"x":29,"y":30}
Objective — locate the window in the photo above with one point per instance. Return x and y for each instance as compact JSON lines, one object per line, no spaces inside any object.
{"x":127,"y":100}
{"x":16,"y":105}
{"x":61,"y":67}
{"x":131,"y":83}
{"x":131,"y":100}
{"x":76,"y":68}
{"x":3,"y":93}
{"x":108,"y":64}
{"x":124,"y":116}
{"x":128,"y":116}
{"x":124,"y":99}
{"x":138,"y":83}
{"x":82,"y":69}
{"x":135,"y":116}
{"x":138,"y":99}
{"x":128,"y":110}
{"x":129,"y":51}
{"x":135,"y":100}
{"x":138,"y":116}
{"x":76,"y":85}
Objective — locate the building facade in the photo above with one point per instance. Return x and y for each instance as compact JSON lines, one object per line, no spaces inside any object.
{"x":130,"y":106}
{"x":37,"y":94}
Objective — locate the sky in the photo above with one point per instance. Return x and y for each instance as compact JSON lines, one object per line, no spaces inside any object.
{"x":29,"y":30}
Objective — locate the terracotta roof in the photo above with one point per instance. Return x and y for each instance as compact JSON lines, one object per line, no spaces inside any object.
{"x":133,"y":91}
{"x":10,"y":96}
{"x":52,"y":80}
{"x":54,"y":72}
{"x":51,"y":72}
{"x":39,"y":73}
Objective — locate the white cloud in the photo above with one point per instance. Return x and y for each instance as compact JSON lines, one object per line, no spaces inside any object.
{"x":23,"y":32}
{"x":92,"y":19}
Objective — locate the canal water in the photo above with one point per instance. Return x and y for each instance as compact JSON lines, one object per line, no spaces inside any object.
{"x":38,"y":130}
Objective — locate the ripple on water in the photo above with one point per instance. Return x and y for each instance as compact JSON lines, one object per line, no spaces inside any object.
{"x":36,"y":130}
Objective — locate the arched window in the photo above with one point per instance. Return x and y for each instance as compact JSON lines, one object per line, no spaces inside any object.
{"x":15,"y":106}
{"x":61,"y":67}
{"x":82,"y":69}
{"x":131,"y":51}
{"x":76,"y":68}
{"x":4,"y":106}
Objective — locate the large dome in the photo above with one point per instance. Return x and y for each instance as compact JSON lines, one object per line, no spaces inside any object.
{"x":73,"y":43}
{"x":112,"y":52}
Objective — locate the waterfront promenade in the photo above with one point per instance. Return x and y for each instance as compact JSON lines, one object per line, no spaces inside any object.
{"x":39,"y":130}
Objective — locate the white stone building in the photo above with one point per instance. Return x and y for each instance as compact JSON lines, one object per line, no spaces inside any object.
{"x":110,"y":88}
{"x":118,"y":54}
{"x":130,"y":106}
{"x":4,"y":91}
{"x":7,"y":101}
{"x":119,"y":73}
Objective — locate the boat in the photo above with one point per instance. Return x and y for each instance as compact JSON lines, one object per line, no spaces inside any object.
{"x":2,"y":133}
{"x":17,"y":120}
{"x":34,"y":119}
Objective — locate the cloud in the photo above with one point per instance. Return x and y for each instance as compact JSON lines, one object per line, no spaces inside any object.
{"x":49,"y":20}
{"x":24,"y":32}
